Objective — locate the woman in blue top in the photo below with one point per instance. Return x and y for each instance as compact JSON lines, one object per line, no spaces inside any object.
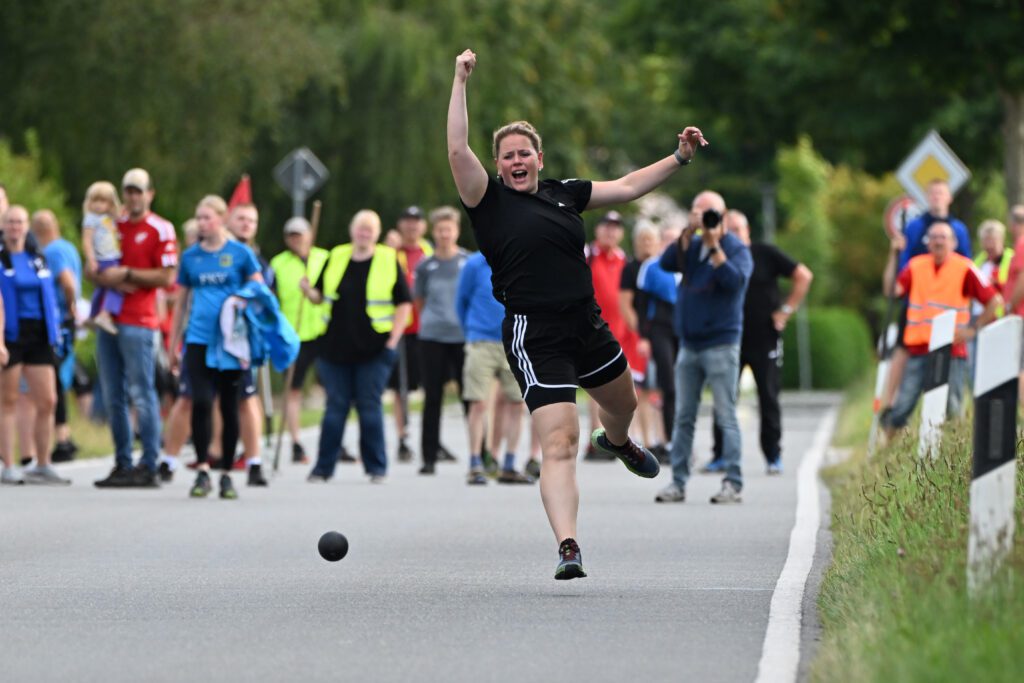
{"x":31,"y":330}
{"x":211,"y":271}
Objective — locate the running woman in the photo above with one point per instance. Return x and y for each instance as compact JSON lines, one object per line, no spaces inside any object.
{"x":531,"y":233}
{"x":211,"y":271}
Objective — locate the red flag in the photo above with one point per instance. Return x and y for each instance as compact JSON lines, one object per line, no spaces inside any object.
{"x":242,"y":193}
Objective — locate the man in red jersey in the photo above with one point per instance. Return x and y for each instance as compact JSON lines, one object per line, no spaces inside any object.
{"x":127,"y":360}
{"x":606,"y":260}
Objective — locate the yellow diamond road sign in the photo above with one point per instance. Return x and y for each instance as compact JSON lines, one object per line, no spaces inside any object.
{"x":931,"y":160}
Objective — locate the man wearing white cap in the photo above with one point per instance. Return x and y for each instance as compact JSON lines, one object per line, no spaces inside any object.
{"x":301,"y":259}
{"x":127,"y":361}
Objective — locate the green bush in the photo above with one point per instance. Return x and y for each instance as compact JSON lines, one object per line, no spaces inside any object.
{"x":840,"y":348}
{"x":28,"y":184}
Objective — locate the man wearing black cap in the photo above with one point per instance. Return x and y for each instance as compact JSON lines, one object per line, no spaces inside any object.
{"x":606,"y":260}
{"x":412,"y":225}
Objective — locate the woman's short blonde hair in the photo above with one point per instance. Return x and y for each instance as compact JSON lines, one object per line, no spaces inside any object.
{"x":445,"y":213}
{"x":217,"y":204}
{"x":102,"y":189}
{"x":366,"y":215}
{"x":517,"y":128}
{"x":992,"y":226}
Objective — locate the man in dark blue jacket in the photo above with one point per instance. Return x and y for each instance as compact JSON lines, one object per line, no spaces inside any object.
{"x":716,"y":268}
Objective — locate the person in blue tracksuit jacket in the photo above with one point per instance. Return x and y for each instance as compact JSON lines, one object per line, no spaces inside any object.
{"x":211,"y":270}
{"x":31,"y":331}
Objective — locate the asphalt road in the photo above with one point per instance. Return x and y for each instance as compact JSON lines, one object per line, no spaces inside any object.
{"x":443,"y":582}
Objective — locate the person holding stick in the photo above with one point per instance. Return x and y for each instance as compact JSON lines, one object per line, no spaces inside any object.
{"x":301,"y":259}
{"x":370,"y":304}
{"x":531,"y":233}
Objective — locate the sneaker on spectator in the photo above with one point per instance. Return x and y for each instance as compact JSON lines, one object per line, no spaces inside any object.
{"x":445,"y":455}
{"x":64,"y":451}
{"x":775,"y":467}
{"x":316,"y":478}
{"x":256,"y":477}
{"x":533,"y":468}
{"x":661,"y":453}
{"x":119,"y":477}
{"x":476,"y":478}
{"x":202,"y":486}
{"x":227,"y":489}
{"x":144,"y":478}
{"x":513,"y":477}
{"x":299,"y":454}
{"x":713,"y":467}
{"x":12,"y":476}
{"x":728,"y":494}
{"x":428,"y":468}
{"x":404,"y":452}
{"x":378,"y":479}
{"x":165,"y":472}
{"x":673,"y":493}
{"x":45,"y":475}
{"x":346,"y":457}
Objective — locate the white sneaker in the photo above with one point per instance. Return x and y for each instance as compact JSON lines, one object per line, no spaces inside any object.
{"x":728,"y":494}
{"x":12,"y":476}
{"x":378,"y":479}
{"x":673,"y":493}
{"x":45,"y":475}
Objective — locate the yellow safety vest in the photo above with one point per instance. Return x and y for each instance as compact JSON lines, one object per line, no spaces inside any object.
{"x":380,"y":283}
{"x":289,"y":269}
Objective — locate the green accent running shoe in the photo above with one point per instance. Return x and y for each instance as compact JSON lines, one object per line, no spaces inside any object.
{"x":635,"y":457}
{"x":227,"y":489}
{"x":202,"y":487}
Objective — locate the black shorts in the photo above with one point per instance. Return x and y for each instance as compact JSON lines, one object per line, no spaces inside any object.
{"x":411,"y":345}
{"x":246,"y":385}
{"x":304,"y":361}
{"x":32,"y":347}
{"x":551,"y":355}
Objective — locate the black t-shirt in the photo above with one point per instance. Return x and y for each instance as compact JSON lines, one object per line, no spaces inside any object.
{"x":534,"y":245}
{"x":763,"y":298}
{"x":650,"y":310}
{"x":350,"y":338}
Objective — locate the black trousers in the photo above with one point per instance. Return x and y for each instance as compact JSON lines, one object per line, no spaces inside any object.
{"x":440,"y":363}
{"x":664,"y":349}
{"x":766,"y":364}
{"x":206,"y":384}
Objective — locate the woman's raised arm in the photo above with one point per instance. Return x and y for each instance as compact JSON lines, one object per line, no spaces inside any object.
{"x":470,"y":176}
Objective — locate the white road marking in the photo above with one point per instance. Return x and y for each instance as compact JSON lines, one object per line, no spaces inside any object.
{"x":780,"y":654}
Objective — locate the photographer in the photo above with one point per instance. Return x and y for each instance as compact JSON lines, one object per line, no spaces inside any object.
{"x":716,"y":268}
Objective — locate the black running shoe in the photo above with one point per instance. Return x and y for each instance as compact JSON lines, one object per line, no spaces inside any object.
{"x":345,"y":456}
{"x":428,"y":468}
{"x":404,"y":452}
{"x":445,"y":455}
{"x":661,"y":453}
{"x":144,"y":478}
{"x":256,"y":477}
{"x":202,"y":487}
{"x":165,"y":472}
{"x":635,"y":457}
{"x":63,"y":452}
{"x":227,"y":489}
{"x":119,"y":477}
{"x":299,"y":454}
{"x":571,"y":564}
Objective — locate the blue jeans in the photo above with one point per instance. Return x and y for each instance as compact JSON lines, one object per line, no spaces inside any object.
{"x":718,"y":366}
{"x":127,"y":368}
{"x":912,"y":384}
{"x":362,"y":384}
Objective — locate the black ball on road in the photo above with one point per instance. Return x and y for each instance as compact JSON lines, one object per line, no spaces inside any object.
{"x":333,"y":546}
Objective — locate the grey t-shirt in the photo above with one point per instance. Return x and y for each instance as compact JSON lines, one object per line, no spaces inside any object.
{"x":436,"y":281}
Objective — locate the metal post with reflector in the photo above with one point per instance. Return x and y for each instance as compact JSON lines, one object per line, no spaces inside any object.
{"x":994,"y":475}
{"x":936,"y":383}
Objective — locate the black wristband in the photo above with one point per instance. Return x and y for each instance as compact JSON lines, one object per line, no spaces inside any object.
{"x":683,"y":161}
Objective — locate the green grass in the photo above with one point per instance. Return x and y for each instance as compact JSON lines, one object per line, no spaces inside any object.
{"x":894,"y":603}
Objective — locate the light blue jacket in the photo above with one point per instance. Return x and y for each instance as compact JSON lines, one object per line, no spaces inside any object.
{"x":271,"y":336}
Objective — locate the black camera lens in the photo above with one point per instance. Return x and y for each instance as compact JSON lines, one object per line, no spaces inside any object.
{"x":711,"y":219}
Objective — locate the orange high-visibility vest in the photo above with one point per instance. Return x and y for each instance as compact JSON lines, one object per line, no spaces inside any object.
{"x":933,"y":292}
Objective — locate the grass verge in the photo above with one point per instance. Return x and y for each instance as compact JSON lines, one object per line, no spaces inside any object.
{"x":894,"y":603}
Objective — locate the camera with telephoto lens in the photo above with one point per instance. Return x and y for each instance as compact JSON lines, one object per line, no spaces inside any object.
{"x":711,"y":219}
